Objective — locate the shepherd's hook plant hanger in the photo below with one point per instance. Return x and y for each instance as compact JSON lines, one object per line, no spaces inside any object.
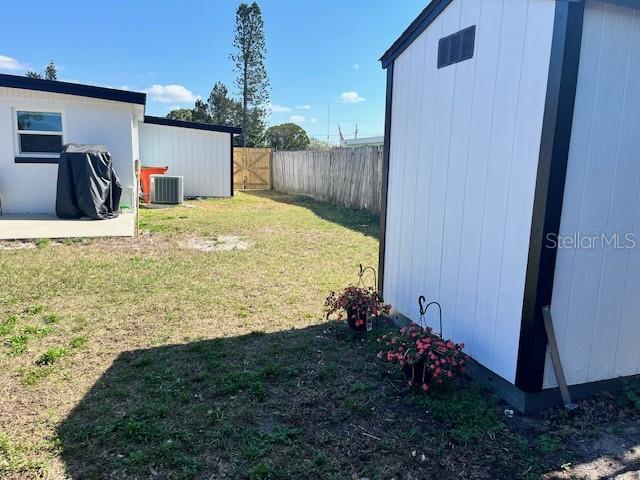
{"x":364,"y":270}
{"x":423,"y":311}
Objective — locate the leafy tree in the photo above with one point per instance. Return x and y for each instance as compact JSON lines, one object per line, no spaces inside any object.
{"x":50,"y":72}
{"x":223,"y":109}
{"x":252,"y":81}
{"x":315,"y":144}
{"x":287,"y":136}
{"x":200,"y":112}
{"x":181,"y":114}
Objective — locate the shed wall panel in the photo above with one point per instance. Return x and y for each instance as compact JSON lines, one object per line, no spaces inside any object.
{"x":463,"y":160}
{"x":596,"y":299}
{"x":202,"y":157}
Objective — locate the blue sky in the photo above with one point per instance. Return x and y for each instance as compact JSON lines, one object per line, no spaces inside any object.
{"x":321,"y":55}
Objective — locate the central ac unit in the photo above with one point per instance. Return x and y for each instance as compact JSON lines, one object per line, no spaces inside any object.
{"x":167,"y":189}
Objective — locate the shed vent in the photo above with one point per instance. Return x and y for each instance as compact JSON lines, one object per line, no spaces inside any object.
{"x":457,"y":47}
{"x":167,"y":189}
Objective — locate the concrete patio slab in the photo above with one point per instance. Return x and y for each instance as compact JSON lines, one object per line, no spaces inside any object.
{"x":21,"y":227}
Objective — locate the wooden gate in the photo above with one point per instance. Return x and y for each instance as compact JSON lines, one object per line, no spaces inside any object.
{"x":251,"y":168}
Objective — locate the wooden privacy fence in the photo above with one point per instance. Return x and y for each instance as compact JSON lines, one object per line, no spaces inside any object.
{"x":251,"y":168}
{"x":351,"y":177}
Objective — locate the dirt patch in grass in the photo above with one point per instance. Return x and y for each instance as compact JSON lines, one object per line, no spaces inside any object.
{"x":223,"y":243}
{"x":16,"y":245}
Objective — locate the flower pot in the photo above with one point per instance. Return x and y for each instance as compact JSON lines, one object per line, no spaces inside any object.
{"x":414,"y":371}
{"x":357,"y":320}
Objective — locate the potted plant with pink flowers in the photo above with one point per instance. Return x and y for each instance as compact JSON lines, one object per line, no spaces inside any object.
{"x":358,"y":304}
{"x":424,"y":357}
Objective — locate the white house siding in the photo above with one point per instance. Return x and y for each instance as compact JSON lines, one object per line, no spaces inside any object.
{"x":202,"y":157}
{"x":596,"y":296}
{"x":31,"y":188}
{"x":463,"y":158}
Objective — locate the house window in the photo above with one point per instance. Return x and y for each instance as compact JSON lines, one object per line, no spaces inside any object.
{"x":457,"y":47}
{"x":38,"y":134}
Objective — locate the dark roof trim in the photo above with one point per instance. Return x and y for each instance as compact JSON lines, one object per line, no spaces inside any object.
{"x":195,"y":125}
{"x":54,"y":86}
{"x":419,"y":25}
{"x":435,"y":8}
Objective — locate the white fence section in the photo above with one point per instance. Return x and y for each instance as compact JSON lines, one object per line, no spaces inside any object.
{"x":350,"y":177}
{"x":202,"y":157}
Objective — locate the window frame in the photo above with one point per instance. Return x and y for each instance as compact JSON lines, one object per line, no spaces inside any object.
{"x":36,"y":157}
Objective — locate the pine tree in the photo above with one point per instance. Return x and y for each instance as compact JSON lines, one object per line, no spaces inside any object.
{"x":252,"y":81}
{"x":51,"y":72}
{"x":200,"y":112}
{"x":223,"y":109}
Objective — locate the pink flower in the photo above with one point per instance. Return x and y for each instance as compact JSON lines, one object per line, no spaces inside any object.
{"x":425,"y":387}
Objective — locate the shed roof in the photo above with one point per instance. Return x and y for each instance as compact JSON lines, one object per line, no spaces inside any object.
{"x":195,"y":125}
{"x":432,"y":11}
{"x":78,"y":89}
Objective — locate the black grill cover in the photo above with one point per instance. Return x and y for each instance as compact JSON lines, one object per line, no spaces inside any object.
{"x":87,"y":183}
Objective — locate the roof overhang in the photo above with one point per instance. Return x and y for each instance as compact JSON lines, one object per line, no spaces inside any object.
{"x":194,"y":125}
{"x":77,"y":89}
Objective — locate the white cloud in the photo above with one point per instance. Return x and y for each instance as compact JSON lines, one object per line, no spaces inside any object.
{"x":274,"y":107}
{"x":303,"y":107}
{"x":171,"y":94}
{"x":10,"y":63}
{"x":297,"y":118}
{"x":356,"y":66}
{"x":351,"y":97}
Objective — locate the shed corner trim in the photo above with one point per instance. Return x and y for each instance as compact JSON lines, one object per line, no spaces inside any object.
{"x":386,"y":150}
{"x":549,"y":191}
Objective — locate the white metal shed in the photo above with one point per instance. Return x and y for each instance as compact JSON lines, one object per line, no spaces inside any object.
{"x":201,"y":153}
{"x":511,"y":136}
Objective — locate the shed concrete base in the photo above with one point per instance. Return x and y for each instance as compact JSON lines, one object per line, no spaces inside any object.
{"x":23,"y":227}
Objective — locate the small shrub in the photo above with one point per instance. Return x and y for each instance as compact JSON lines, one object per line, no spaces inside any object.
{"x":78,"y":342}
{"x":632,"y":394}
{"x":261,"y":472}
{"x":37,"y":331}
{"x":42,"y":242}
{"x":51,"y":356}
{"x":34,"y":309}
{"x":31,"y":376}
{"x":17,"y":344}
{"x":8,"y":325}
{"x":52,"y":318}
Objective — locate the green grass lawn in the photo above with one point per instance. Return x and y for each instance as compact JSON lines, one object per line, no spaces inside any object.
{"x":150,"y":358}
